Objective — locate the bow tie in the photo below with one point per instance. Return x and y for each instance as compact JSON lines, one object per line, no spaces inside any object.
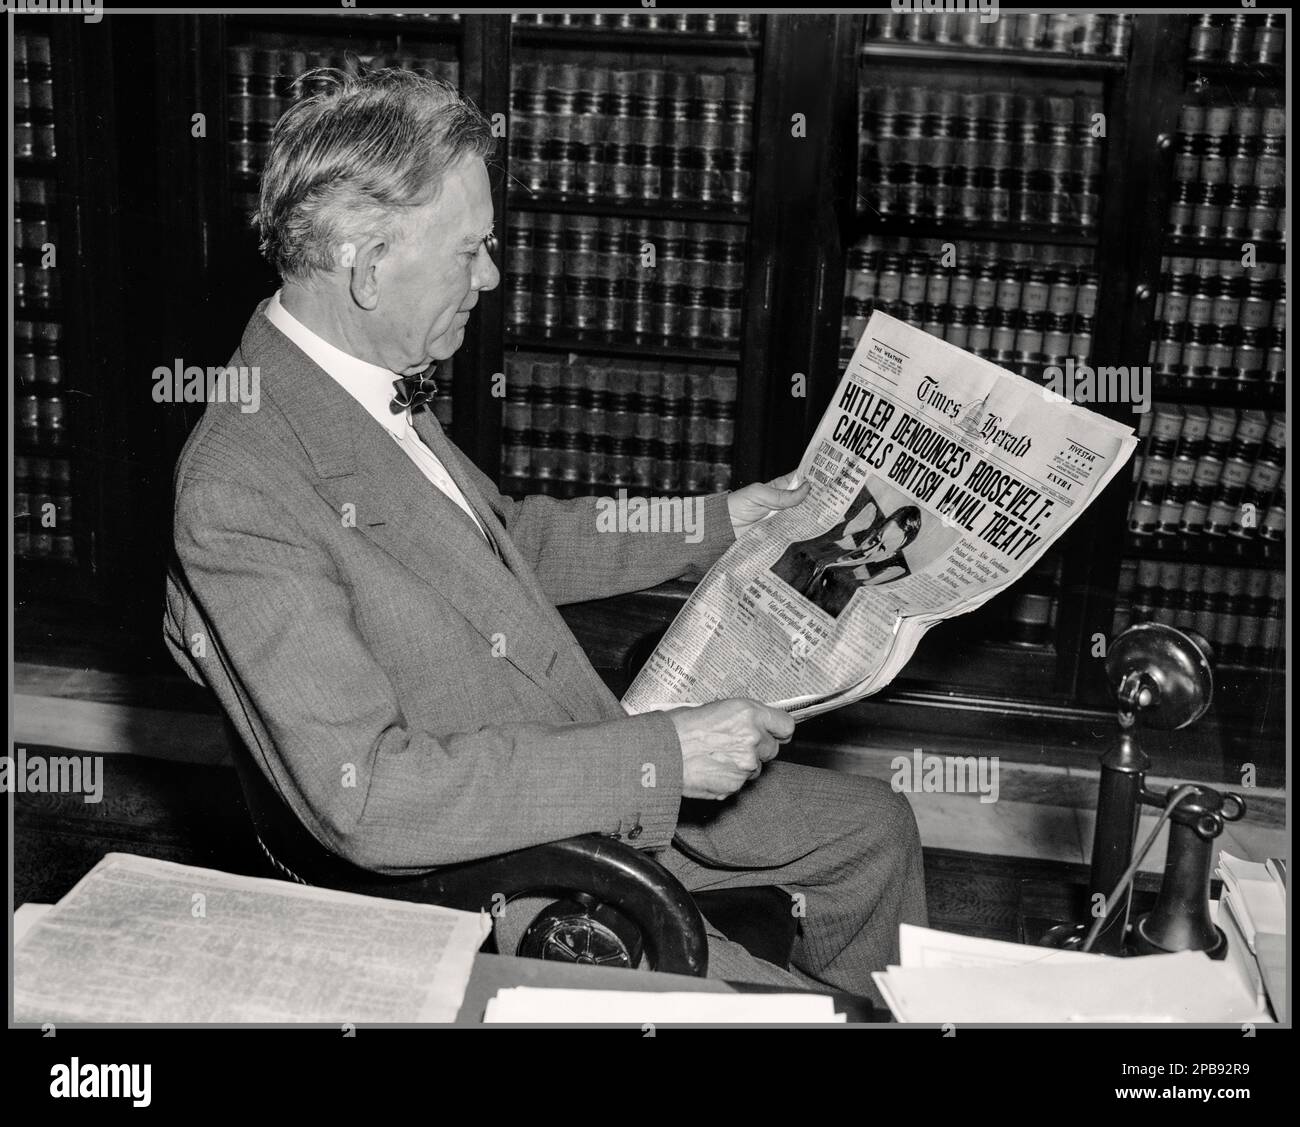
{"x":413,"y":391}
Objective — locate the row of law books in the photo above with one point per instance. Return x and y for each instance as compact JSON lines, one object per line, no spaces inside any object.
{"x":1014,"y":304}
{"x":36,"y":288}
{"x":44,"y":524}
{"x":1207,"y":299}
{"x":1000,"y":117}
{"x":36,"y":237}
{"x":1240,"y":611}
{"x":641,"y":278}
{"x":635,"y":424}
{"x":995,"y":157}
{"x":543,"y":380}
{"x":1239,"y":39}
{"x":1060,"y":33}
{"x":38,"y":358}
{"x":681,"y":135}
{"x":1218,"y":325}
{"x":577,"y":466}
{"x":1229,"y":168}
{"x":33,"y":105}
{"x":696,"y":23}
{"x":671,"y":252}
{"x":1209,"y":472}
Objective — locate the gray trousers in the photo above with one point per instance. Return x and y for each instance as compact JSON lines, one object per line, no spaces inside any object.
{"x":849,"y":855}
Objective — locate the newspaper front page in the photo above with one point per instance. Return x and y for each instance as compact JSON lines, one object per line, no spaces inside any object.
{"x":938,"y":479}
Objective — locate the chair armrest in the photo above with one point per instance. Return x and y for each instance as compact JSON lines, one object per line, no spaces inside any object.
{"x":598,"y":867}
{"x":601,"y":867}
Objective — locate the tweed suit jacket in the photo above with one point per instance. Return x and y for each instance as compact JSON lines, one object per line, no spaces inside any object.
{"x":415,"y":699}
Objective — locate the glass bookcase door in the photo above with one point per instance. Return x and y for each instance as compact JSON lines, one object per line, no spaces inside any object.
{"x":1206,"y":535}
{"x":56,"y":453}
{"x":978,"y":218}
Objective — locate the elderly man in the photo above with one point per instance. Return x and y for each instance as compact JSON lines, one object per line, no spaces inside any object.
{"x":379,"y":622}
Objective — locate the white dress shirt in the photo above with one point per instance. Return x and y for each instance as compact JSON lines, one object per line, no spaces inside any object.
{"x":372,"y":387}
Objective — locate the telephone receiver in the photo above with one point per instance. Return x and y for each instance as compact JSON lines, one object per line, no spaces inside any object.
{"x":1162,"y":679}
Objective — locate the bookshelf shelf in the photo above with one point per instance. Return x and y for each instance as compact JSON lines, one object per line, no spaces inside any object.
{"x":29,"y":256}
{"x":628,"y":209}
{"x":618,"y":39}
{"x":1225,"y":551}
{"x":621,"y":346}
{"x":1029,"y":62}
{"x":564,"y":489}
{"x":1266,"y":250}
{"x":26,"y":448}
{"x":50,"y":579}
{"x":1258,"y":398}
{"x":379,"y":26}
{"x":25,"y":312}
{"x":928,"y":228}
{"x":35,"y":166}
{"x":1238,"y":74}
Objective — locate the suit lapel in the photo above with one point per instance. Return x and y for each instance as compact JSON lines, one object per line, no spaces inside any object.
{"x":571,"y":663}
{"x":433,"y":436}
{"x":399,"y":510}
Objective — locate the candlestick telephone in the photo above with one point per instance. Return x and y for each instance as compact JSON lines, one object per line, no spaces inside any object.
{"x":1162,"y":678}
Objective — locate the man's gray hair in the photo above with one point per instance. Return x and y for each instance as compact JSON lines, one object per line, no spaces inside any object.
{"x":348,"y":160}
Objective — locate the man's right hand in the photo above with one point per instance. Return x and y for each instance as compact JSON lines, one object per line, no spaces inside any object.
{"x":725,"y":744}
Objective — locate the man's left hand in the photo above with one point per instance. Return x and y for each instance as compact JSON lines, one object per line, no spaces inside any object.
{"x":759,"y":501}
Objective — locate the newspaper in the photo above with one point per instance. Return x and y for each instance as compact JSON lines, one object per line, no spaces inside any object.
{"x":938,"y":479}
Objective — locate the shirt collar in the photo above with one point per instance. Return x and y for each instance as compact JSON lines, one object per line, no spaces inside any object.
{"x":369,"y":384}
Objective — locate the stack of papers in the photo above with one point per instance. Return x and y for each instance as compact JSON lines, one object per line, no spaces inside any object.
{"x":1254,"y":895}
{"x":947,"y":978}
{"x":139,"y":940}
{"x":523,"y":1005}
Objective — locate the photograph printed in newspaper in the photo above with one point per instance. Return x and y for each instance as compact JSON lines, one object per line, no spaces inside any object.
{"x":938,"y":479}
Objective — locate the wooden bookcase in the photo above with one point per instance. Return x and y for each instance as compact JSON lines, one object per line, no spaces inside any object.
{"x":154,"y":180}
{"x":71,"y":465}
